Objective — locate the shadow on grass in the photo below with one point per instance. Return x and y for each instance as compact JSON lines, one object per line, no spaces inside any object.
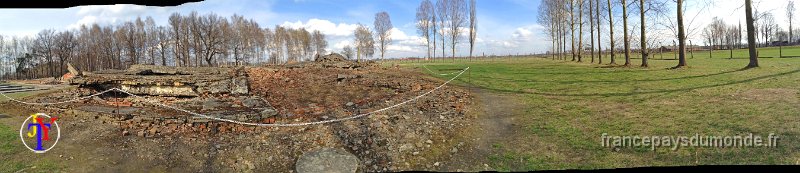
{"x":606,"y":81}
{"x":634,"y":69}
{"x":768,"y":57}
{"x":647,"y":92}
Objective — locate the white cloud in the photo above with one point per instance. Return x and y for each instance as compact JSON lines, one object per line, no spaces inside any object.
{"x":324,"y":26}
{"x":404,"y":48}
{"x":522,"y":34}
{"x":341,"y":44}
{"x":112,"y":14}
{"x":398,"y":34}
{"x":526,"y":33}
{"x":86,"y":20}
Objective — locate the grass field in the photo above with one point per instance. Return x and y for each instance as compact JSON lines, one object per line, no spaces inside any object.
{"x":570,"y":105}
{"x":11,"y":147}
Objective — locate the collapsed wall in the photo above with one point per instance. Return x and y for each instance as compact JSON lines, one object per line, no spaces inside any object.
{"x":169,"y":81}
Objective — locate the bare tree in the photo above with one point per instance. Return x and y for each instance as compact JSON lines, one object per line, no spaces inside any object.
{"x":599,"y":47}
{"x":162,"y":34}
{"x":473,"y":26}
{"x":751,"y":40}
{"x":140,"y":41}
{"x":319,"y":42}
{"x":424,"y":23}
{"x":546,"y":17}
{"x":715,"y":34}
{"x":625,"y":39}
{"x":44,"y":48}
{"x":681,"y":36}
{"x":731,"y":38}
{"x":3,"y":54}
{"x":235,"y":37}
{"x":457,"y":19}
{"x":194,"y":39}
{"x":278,"y":45}
{"x":643,"y":40}
{"x":591,"y":28}
{"x":768,"y":26}
{"x":434,"y":29}
{"x":151,"y":39}
{"x":210,"y":37}
{"x":64,"y":48}
{"x":611,"y":30}
{"x":572,"y":26}
{"x":580,"y":30}
{"x":305,"y":42}
{"x":443,"y":15}
{"x":383,"y":31}
{"x":347,"y":51}
{"x":365,"y":44}
{"x":790,"y":16}
{"x":176,"y":33}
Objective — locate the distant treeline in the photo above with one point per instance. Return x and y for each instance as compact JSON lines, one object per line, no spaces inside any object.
{"x":187,"y":40}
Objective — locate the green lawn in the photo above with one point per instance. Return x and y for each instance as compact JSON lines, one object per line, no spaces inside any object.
{"x":13,"y":155}
{"x":569,"y":105}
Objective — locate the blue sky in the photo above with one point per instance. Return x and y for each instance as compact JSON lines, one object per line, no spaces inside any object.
{"x":504,"y":26}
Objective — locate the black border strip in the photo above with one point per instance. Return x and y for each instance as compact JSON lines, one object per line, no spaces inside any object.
{"x":76,"y":3}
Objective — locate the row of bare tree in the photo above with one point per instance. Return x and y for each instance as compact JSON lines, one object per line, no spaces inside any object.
{"x":447,"y":19}
{"x":564,"y":21}
{"x":188,"y":40}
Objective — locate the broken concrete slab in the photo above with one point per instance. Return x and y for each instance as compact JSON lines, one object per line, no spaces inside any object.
{"x":340,"y":77}
{"x":169,"y":81}
{"x":74,"y":71}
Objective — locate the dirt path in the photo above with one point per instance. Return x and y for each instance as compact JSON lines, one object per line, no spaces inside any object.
{"x":495,"y":127}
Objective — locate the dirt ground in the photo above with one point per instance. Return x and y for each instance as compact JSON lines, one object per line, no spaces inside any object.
{"x":451,"y":129}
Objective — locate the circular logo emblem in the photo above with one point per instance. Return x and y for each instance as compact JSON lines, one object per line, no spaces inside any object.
{"x":37,"y":132}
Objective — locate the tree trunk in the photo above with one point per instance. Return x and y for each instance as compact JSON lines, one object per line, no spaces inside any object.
{"x":433,"y":24}
{"x":643,"y":41}
{"x":691,"y":49}
{"x":591,"y":29}
{"x":580,"y":30}
{"x":625,"y":39}
{"x":751,"y":40}
{"x":572,"y":26}
{"x":681,"y":37}
{"x":599,"y":49}
{"x":611,"y":31}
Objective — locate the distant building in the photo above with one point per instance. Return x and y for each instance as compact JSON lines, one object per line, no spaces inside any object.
{"x":779,"y":43}
{"x":688,"y":48}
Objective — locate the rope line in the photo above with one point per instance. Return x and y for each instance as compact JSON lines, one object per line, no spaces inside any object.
{"x":54,"y":103}
{"x":248,"y":123}
{"x":440,"y":74}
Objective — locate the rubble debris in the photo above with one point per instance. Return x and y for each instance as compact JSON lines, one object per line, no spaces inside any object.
{"x":341,"y":77}
{"x":284,"y":94}
{"x":119,"y":102}
{"x":327,"y":160}
{"x":169,"y":81}
{"x":330,"y":57}
{"x":72,"y":70}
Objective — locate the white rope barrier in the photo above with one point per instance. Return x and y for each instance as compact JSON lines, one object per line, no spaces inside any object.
{"x":248,"y":123}
{"x":440,"y":74}
{"x":54,"y":103}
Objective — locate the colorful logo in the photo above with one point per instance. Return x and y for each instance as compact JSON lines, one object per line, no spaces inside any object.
{"x":37,"y":129}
